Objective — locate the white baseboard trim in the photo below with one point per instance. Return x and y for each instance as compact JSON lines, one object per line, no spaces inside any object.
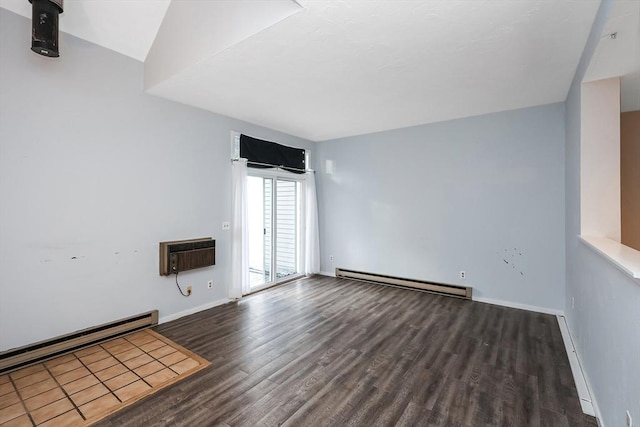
{"x":326,"y":273}
{"x":527,"y":307}
{"x":587,"y":401}
{"x":178,"y":315}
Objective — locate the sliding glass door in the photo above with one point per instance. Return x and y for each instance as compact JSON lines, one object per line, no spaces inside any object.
{"x":274,"y":209}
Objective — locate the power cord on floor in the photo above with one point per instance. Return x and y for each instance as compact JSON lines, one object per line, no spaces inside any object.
{"x":180,"y":289}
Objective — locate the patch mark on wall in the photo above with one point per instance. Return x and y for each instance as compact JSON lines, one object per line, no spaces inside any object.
{"x":512,"y":259}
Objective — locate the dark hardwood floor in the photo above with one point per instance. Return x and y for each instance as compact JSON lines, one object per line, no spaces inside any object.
{"x":324,"y":351}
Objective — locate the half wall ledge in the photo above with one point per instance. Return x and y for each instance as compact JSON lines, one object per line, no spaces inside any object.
{"x":625,"y":258}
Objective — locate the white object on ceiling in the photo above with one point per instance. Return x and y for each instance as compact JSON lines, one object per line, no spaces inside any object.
{"x":620,"y":55}
{"x":126,"y":26}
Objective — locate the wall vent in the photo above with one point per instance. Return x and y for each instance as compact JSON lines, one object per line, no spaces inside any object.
{"x":182,"y":255}
{"x":35,"y":353}
{"x":439,"y":288}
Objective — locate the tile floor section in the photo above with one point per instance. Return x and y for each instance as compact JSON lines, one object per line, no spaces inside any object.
{"x":81,"y":388}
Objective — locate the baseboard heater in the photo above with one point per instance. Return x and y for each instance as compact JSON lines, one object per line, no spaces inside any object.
{"x":35,"y":353}
{"x":440,"y":288}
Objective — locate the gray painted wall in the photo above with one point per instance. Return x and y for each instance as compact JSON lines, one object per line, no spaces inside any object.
{"x":482,"y":194}
{"x":93,"y":174}
{"x":605,"y":320}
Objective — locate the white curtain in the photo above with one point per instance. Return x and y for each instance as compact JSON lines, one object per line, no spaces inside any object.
{"x":239,"y":232}
{"x":312,"y":237}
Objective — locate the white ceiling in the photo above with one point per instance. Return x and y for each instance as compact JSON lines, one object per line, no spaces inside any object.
{"x":344,"y":67}
{"x":620,"y":56}
{"x":341,"y":68}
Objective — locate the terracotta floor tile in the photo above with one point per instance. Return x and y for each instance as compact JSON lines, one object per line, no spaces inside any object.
{"x":80,"y":384}
{"x":87,"y":351}
{"x":132,"y":390}
{"x":120,"y":348}
{"x":103,"y":364}
{"x":50,"y":390}
{"x":22,"y":421}
{"x":20,"y":373}
{"x":112,"y":343}
{"x":165,"y":350}
{"x":6,"y":388}
{"x":60,"y":360}
{"x":9,"y":399}
{"x":31,"y":379}
{"x":51,"y":410}
{"x":160,"y":377}
{"x":11,"y":412}
{"x":185,"y":366}
{"x":68,"y":419}
{"x":140,"y":338}
{"x":67,"y":377}
{"x":121,"y":380}
{"x":44,"y":399}
{"x":38,"y":388}
{"x":89,"y":394}
{"x":111,"y":372}
{"x":173,"y":358}
{"x":65,"y":367}
{"x":129,"y":354}
{"x":99,"y":405}
{"x":94,"y":357}
{"x":143,"y":359}
{"x":151,"y":345}
{"x":149,"y":368}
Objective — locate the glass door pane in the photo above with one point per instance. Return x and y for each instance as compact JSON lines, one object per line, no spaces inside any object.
{"x":287,"y":221}
{"x":260,"y":208}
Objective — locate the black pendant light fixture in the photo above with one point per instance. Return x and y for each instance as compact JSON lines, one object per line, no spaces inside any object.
{"x":44,"y":26}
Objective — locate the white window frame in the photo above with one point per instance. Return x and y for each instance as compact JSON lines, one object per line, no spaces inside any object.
{"x":279,"y":174}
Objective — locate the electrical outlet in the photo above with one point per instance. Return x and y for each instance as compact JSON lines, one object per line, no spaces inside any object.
{"x":210,"y":284}
{"x":331,"y":258}
{"x":226,"y":225}
{"x":189,"y":290}
{"x":629,"y":420}
{"x":463,"y":274}
{"x":573,"y":303}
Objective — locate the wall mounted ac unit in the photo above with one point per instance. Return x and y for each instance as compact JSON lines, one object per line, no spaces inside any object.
{"x":182,"y":255}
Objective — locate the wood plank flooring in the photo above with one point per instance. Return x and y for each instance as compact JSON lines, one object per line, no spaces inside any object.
{"x":333,"y":352}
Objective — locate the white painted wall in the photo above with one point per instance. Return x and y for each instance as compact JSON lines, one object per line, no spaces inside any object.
{"x":600,"y":159}
{"x":93,"y":174}
{"x":605,"y":319}
{"x":482,"y":194}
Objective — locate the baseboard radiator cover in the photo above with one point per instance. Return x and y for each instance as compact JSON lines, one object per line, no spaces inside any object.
{"x":17,"y":358}
{"x":458,"y":291}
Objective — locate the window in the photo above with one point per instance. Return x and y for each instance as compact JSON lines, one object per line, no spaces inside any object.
{"x":274,"y":221}
{"x":279,"y":238}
